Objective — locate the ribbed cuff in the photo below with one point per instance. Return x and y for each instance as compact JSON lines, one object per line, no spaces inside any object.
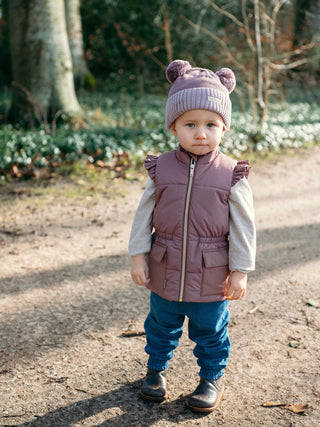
{"x":209,"y":374}
{"x":158,"y":365}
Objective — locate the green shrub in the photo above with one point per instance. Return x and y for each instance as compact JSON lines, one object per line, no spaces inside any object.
{"x":133,"y":127}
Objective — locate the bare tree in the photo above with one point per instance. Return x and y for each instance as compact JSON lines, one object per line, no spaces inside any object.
{"x":258,"y":56}
{"x":41,"y":60}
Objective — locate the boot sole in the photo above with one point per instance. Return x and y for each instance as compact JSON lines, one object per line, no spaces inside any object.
{"x":152,"y":398}
{"x":211,"y":408}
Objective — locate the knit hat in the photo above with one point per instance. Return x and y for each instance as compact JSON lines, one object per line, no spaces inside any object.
{"x":198,"y":88}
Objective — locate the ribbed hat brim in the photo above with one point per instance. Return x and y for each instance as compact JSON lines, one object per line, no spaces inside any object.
{"x":198,"y":98}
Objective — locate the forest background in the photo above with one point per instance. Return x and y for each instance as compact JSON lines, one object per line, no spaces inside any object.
{"x":110,"y":112}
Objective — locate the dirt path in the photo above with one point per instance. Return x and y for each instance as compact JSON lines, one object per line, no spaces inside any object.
{"x":66,"y":297}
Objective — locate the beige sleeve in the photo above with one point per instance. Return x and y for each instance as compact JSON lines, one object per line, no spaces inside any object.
{"x":242,"y":234}
{"x":141,"y":230}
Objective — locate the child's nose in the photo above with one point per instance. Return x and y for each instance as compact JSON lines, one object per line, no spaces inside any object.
{"x":201,"y":134}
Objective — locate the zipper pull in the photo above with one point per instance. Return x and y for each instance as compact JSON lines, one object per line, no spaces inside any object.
{"x":192,"y":166}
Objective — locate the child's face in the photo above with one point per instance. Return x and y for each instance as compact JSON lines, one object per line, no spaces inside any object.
{"x":199,"y":131}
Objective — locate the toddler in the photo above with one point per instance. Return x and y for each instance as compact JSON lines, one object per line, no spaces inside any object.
{"x":199,"y":205}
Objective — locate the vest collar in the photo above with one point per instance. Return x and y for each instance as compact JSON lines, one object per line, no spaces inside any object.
{"x":184,"y":156}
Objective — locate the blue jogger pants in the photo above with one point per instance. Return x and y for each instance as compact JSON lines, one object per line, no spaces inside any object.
{"x":208,"y":324}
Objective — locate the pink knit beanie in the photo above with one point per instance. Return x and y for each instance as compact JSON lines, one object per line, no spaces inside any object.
{"x":198,"y":88}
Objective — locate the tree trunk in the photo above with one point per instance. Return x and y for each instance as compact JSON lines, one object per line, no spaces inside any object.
{"x":301,"y":25}
{"x":167,"y":32}
{"x":41,"y":61}
{"x":306,"y":30}
{"x":259,"y":59}
{"x":74,"y":31}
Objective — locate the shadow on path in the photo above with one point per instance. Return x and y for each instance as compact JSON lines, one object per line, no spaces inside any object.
{"x":286,"y":247}
{"x":282,"y":247}
{"x":70,"y":272}
{"x":125,"y":399}
{"x":41,"y":327}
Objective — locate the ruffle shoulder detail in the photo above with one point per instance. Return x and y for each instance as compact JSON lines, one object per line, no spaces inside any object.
{"x":240,"y":171}
{"x":150,"y":164}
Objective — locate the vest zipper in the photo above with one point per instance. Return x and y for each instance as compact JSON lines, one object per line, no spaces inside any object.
{"x":185,"y":229}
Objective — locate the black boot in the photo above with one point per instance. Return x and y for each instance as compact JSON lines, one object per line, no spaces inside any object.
{"x":207,"y":395}
{"x":155,"y":386}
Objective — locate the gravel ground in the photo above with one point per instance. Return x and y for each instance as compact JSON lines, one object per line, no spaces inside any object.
{"x":67,"y":297}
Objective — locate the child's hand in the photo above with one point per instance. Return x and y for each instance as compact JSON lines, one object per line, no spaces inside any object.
{"x":236,"y":286}
{"x":140,"y":269}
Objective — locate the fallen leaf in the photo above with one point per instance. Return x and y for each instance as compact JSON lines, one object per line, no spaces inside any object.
{"x":56,"y":380}
{"x":299,"y":408}
{"x":132,"y":330}
{"x":313,"y":303}
{"x":129,"y":333}
{"x":18,"y":191}
{"x":294,"y":343}
{"x":16,"y":171}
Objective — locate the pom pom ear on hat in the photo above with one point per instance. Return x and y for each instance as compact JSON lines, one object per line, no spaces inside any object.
{"x":177,"y":69}
{"x":227,"y":78}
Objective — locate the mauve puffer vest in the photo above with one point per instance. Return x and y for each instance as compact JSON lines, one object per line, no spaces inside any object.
{"x":189,"y":255}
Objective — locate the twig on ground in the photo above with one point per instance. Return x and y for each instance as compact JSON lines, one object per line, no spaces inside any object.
{"x":253,"y":310}
{"x":85,"y":391}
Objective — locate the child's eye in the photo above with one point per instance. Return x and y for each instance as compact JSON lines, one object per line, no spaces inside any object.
{"x":211,"y":125}
{"x":190,"y":125}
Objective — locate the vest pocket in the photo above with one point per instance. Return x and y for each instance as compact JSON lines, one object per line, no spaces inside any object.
{"x":215,"y":271}
{"x":158,"y":265}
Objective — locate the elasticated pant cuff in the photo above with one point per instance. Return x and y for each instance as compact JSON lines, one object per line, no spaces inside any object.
{"x":209,"y":374}
{"x":157,"y":365}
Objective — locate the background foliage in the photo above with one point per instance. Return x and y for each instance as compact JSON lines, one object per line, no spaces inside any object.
{"x":125,"y":41}
{"x":128,"y":45}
